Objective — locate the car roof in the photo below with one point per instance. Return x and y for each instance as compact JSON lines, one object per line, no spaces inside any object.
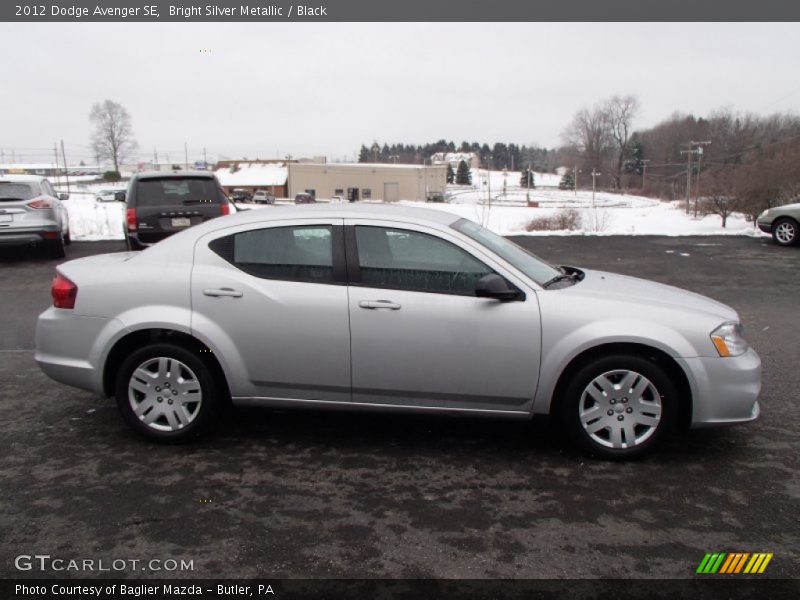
{"x":350,"y":210}
{"x":22,"y":178}
{"x":172,"y":174}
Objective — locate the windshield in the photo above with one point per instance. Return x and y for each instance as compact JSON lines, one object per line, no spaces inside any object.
{"x":530,"y":264}
{"x":16,"y":191}
{"x":176,"y":190}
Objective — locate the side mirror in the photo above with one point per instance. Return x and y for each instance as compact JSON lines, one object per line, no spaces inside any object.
{"x":119,"y":196}
{"x":63,"y":196}
{"x":494,"y":286}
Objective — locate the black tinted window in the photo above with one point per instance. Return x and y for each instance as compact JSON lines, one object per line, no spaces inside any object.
{"x":303,"y":253}
{"x":409,"y":260}
{"x":176,"y":190}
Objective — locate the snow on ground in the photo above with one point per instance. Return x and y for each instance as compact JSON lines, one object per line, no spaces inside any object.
{"x":508,"y":214}
{"x":90,"y":220}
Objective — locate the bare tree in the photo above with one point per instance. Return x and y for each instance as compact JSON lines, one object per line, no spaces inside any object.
{"x":112,"y":138}
{"x":589,"y":133}
{"x":620,"y":112}
{"x":720,"y":196}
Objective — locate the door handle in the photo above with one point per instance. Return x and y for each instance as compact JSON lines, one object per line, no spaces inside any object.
{"x":217,"y":293}
{"x":373,"y":304}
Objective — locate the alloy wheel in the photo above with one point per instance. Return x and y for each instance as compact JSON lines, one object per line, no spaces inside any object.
{"x":165,"y":394}
{"x":620,"y":409}
{"x":785,"y":232}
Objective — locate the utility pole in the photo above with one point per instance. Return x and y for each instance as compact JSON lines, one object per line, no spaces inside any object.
{"x":528,"y":185}
{"x":575,"y":181}
{"x":186,"y":156}
{"x":694,"y":148}
{"x":595,"y":175}
{"x":644,"y":173}
{"x":66,"y":168}
{"x":55,"y":154}
{"x":205,"y":157}
{"x":697,"y":187}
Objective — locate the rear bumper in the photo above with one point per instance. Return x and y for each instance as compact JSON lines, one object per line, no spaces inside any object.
{"x":21,"y":237}
{"x":725,"y":390}
{"x":71,"y":349}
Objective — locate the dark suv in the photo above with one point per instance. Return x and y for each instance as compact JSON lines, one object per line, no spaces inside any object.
{"x":160,"y":204}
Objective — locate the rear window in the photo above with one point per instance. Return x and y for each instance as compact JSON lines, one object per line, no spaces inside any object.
{"x":16,"y":191}
{"x":176,"y":191}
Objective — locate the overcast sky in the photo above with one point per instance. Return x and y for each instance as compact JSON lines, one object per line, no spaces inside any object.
{"x":305,"y":89}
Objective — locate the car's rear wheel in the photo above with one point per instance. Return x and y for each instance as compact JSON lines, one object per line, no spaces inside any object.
{"x":166,"y":392}
{"x":54,"y":248}
{"x":619,"y":407}
{"x":785,"y":232}
{"x":67,"y":239}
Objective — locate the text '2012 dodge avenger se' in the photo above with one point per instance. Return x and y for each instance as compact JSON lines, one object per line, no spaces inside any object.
{"x":392,"y":309}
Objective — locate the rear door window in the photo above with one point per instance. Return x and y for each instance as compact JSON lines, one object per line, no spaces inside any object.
{"x":302,"y":253}
{"x":176,"y":191}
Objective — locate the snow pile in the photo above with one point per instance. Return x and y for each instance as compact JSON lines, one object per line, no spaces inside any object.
{"x":90,"y":220}
{"x":253,"y":175}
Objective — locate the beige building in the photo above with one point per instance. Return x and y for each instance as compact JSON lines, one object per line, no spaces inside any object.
{"x":367,"y":181}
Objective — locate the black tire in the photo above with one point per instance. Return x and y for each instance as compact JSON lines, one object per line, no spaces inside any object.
{"x":789,"y":235}
{"x":133,"y":244}
{"x":205,"y":414}
{"x":613,"y":410}
{"x":67,"y":239}
{"x":54,"y":248}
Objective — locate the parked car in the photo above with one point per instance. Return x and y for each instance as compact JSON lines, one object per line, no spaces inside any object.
{"x":32,"y":213}
{"x":161,"y":204}
{"x":106,"y":195}
{"x":337,"y":200}
{"x":241,"y":195}
{"x":783,"y":222}
{"x":304,"y":199}
{"x":391,"y":309}
{"x":263,"y":197}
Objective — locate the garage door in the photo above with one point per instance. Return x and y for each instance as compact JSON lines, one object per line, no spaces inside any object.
{"x":391,"y":192}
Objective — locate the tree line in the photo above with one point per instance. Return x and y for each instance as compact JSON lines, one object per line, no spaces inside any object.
{"x":498,"y":156}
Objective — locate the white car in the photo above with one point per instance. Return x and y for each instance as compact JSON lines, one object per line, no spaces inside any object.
{"x":106,"y":196}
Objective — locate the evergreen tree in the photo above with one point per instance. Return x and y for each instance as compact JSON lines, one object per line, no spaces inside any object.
{"x":364,"y":155}
{"x":567,"y":181}
{"x":527,"y":179}
{"x":451,"y":175}
{"x":463,"y":175}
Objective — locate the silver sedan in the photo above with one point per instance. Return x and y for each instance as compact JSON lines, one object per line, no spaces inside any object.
{"x":393,"y":309}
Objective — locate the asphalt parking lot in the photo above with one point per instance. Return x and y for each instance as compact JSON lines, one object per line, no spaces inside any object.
{"x":305,"y":494}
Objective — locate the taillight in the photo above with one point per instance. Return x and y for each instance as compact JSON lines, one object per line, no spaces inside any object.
{"x":64,"y":292}
{"x":42,"y":203}
{"x":225,"y":208}
{"x":130,"y":217}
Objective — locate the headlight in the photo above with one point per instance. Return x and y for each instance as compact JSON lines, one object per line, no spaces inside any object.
{"x":728,"y":339}
{"x":764,"y":214}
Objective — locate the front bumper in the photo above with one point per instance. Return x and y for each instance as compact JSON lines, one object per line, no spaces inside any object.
{"x":725,"y":390}
{"x":765,"y":226}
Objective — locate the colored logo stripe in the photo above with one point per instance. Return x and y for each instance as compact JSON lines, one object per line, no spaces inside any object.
{"x":733,"y":563}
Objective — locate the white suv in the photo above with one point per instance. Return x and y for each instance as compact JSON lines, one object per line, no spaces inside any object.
{"x":31,"y":213}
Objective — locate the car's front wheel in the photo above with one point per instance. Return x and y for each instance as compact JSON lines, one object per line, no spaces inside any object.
{"x":785,"y":232}
{"x":166,"y":392}
{"x":619,"y":407}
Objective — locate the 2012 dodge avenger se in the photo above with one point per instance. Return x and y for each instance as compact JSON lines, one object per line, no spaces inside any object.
{"x":391,"y":309}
